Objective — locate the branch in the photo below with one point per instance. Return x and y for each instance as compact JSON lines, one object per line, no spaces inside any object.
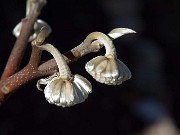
{"x":32,"y":71}
{"x":92,"y":43}
{"x":19,"y":48}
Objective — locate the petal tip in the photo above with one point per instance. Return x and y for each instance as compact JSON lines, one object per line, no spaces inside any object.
{"x":118,"y":32}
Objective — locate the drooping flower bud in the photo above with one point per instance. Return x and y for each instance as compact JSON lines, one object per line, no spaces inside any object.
{"x":108,"y":69}
{"x":63,"y":88}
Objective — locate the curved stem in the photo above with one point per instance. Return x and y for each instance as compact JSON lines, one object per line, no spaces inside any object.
{"x":61,"y":63}
{"x":105,"y":40}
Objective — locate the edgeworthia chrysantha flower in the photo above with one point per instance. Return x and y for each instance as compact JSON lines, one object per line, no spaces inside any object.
{"x":108,"y":69}
{"x":63,"y":88}
{"x":37,"y":25}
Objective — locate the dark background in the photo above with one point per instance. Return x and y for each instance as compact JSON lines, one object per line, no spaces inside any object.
{"x":152,"y":55}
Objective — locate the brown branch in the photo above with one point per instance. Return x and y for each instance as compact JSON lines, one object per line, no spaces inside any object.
{"x":32,"y":71}
{"x":14,"y":82}
{"x":19,"y":48}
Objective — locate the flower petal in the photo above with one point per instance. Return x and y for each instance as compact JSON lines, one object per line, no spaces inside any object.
{"x":82,"y":88}
{"x":39,"y":82}
{"x":45,"y":81}
{"x":83,"y":82}
{"x":101,"y":66}
{"x":56,"y":91}
{"x":127,"y":72}
{"x":67,"y":97}
{"x":118,"y":32}
{"x":37,"y":27}
{"x":90,"y":66}
{"x":49,"y":89}
{"x":17,"y":29}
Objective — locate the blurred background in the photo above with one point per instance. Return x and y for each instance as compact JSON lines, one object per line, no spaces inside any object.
{"x":147,"y":104}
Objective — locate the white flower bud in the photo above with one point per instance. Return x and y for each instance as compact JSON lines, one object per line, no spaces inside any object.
{"x":37,"y":27}
{"x":66,"y":93}
{"x":62,"y":88}
{"x":106,"y":70}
